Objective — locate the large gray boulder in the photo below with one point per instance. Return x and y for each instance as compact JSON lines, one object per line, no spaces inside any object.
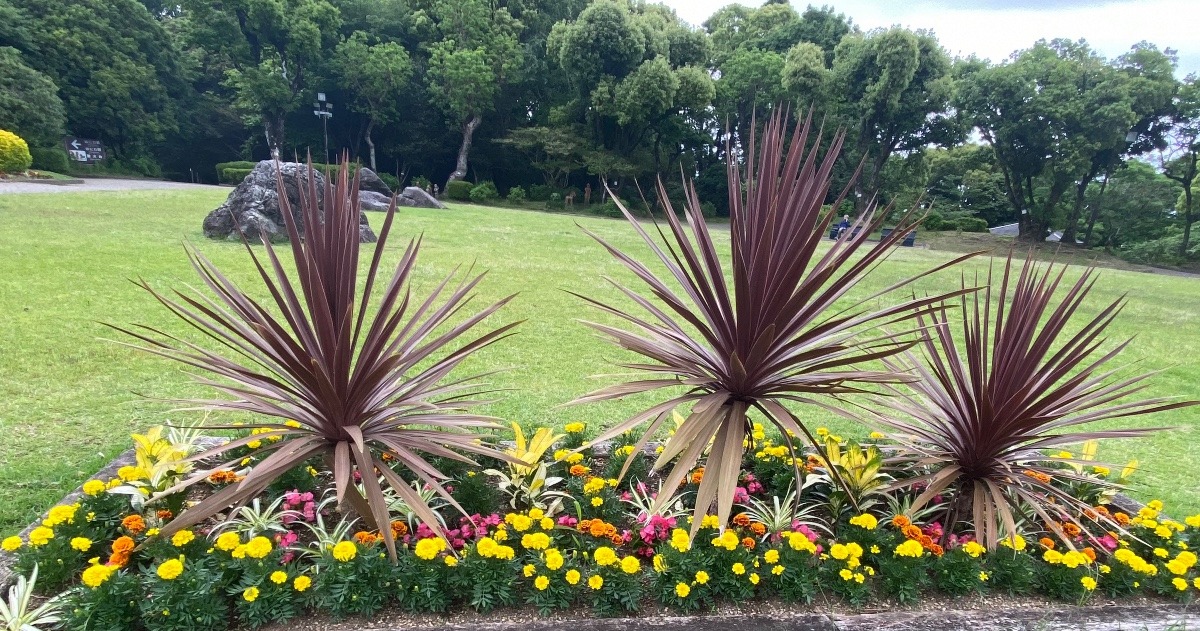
{"x":368,"y":180}
{"x":254,"y":205}
{"x":416,"y":197}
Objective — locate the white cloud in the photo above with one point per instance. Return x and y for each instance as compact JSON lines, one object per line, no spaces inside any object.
{"x":993,"y":29}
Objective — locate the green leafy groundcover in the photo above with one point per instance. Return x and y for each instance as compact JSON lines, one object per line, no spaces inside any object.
{"x":582,"y":541}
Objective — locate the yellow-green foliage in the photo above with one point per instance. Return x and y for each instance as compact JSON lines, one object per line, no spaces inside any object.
{"x":14,"y":153}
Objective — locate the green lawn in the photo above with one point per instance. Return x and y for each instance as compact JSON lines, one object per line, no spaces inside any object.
{"x":69,"y":399}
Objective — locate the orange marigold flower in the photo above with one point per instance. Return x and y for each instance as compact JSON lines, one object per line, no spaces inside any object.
{"x":912,"y":531}
{"x":1122,"y":519}
{"x":698,"y":475}
{"x":1103,"y":510}
{"x":936,"y":550}
{"x":1037,"y":475}
{"x":926,"y":541}
{"x":741,"y":519}
{"x":748,"y":543}
{"x":387,"y":457}
{"x":1090,"y":514}
{"x":399,"y":529}
{"x":365,"y":538}
{"x":1071,"y":529}
{"x":1047,"y":543}
{"x":617,"y":540}
{"x":1089,"y":553}
{"x":118,"y":559}
{"x":579,"y":470}
{"x":134,"y":524}
{"x":901,"y":521}
{"x":123,"y":544}
{"x":583,"y":525}
{"x":609,"y":530}
{"x":758,"y":528}
{"x":597,"y":528}
{"x":164,"y":514}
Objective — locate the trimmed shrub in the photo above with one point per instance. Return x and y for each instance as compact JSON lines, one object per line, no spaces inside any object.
{"x":14,"y":153}
{"x":50,"y":159}
{"x":1162,"y":251}
{"x":420,"y":182}
{"x":237,"y":164}
{"x":540,"y":192}
{"x":392,"y":181}
{"x":484,"y":192}
{"x":516,"y":195}
{"x":972,"y":224}
{"x":554,"y":201}
{"x":458,"y":190}
{"x":607,"y":209}
{"x":234,"y":175}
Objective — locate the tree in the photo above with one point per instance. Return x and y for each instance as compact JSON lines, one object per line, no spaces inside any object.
{"x":29,"y":103}
{"x":268,"y":47}
{"x":377,"y":76}
{"x":891,"y":89}
{"x":1134,"y":204}
{"x":1180,"y":159}
{"x":473,"y":51}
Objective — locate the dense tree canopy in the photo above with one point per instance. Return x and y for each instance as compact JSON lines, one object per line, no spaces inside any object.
{"x":557,"y":95}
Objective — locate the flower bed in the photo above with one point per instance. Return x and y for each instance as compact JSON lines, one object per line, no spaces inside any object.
{"x":580,"y":539}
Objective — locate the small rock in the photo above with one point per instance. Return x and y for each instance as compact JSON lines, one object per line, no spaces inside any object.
{"x":368,"y":180}
{"x":417,"y":197}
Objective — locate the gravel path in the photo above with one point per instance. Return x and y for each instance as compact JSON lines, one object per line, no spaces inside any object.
{"x":97,"y":184}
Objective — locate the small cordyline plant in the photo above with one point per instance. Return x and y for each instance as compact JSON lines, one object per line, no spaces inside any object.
{"x":989,"y":404}
{"x":334,"y":375}
{"x":781,"y":331}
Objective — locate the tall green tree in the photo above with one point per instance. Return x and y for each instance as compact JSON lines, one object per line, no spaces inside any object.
{"x":891,"y":89}
{"x":1180,"y":157}
{"x":473,"y":51}
{"x":29,"y":103}
{"x":1133,"y":204}
{"x":377,"y":76}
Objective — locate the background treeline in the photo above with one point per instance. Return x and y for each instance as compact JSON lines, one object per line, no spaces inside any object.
{"x":541,"y":98}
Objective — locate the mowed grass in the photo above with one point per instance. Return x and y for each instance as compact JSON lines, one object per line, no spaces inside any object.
{"x":69,"y":399}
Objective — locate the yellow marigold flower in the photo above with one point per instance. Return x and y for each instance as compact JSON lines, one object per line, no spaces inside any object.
{"x":771,"y":556}
{"x":1088,"y":583}
{"x":593,"y":486}
{"x":40,"y":536}
{"x":910,"y":548}
{"x":597,"y":501}
{"x":1101,"y":471}
{"x":1104,"y":569}
{"x":1053,"y":557}
{"x":254,"y":444}
{"x":427,"y":549}
{"x":1196,"y":582}
{"x":170,"y":569}
{"x":682,"y":590}
{"x":291,"y":423}
{"x":1161,"y":553}
{"x":182,"y":538}
{"x":541,"y":583}
{"x":1176,"y":567}
{"x":595,"y":581}
{"x":1073,"y":559}
{"x":754,"y":578}
{"x":1016,"y":542}
{"x":228,"y":541}
{"x":865,"y":520}
{"x":62,"y":514}
{"x":505,"y":553}
{"x":450,"y":560}
{"x":129,"y":473}
{"x":521,"y":523}
{"x":1179,"y":583}
{"x":11,"y":544}
{"x":604,"y":556}
{"x":93,"y":487}
{"x":536,"y":513}
{"x":973,"y":549}
{"x":345,"y":551}
{"x":630,"y":565}
{"x":301,"y":583}
{"x":738,"y":569}
{"x":1155,"y":505}
{"x":1164,"y":531}
{"x":529,"y":570}
{"x":574,"y":458}
{"x":680,"y":540}
{"x":983,"y":577}
{"x":279,"y":577}
{"x":727,"y":540}
{"x":800,"y":543}
{"x":258,"y":547}
{"x":876,"y":436}
{"x":535,"y":541}
{"x":83,"y":544}
{"x":546,"y":523}
{"x":574,"y":428}
{"x":777,"y":570}
{"x":702,"y":577}
{"x":710,"y":521}
{"x":874,"y":549}
{"x":846,"y":574}
{"x":1193,"y":521}
{"x":95,"y":575}
{"x":486,"y":547}
{"x":554,"y":559}
{"x":840,"y":551}
{"x":250,"y":594}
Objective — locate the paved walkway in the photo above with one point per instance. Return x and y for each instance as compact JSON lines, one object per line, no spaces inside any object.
{"x":97,"y":184}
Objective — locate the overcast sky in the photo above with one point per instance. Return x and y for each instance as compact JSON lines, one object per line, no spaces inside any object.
{"x":995,"y":28}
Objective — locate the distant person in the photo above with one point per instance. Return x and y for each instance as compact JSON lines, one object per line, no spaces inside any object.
{"x":587,"y":194}
{"x":844,"y":225}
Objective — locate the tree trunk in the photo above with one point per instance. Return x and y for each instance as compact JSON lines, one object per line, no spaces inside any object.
{"x":273,"y":130}
{"x":371,"y":143}
{"x":1094,"y":214}
{"x":1072,"y":225}
{"x":468,"y":131}
{"x":1187,"y":219}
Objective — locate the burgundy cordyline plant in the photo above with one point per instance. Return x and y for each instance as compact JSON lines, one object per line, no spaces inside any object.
{"x":1015,"y":383}
{"x":781,"y":332}
{"x":331,"y":373}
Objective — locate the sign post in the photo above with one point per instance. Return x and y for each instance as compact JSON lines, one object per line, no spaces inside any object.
{"x":85,"y":150}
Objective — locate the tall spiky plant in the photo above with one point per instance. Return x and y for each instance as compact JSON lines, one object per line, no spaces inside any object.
{"x":1014,"y":384}
{"x":771,"y":335}
{"x":333,"y":374}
